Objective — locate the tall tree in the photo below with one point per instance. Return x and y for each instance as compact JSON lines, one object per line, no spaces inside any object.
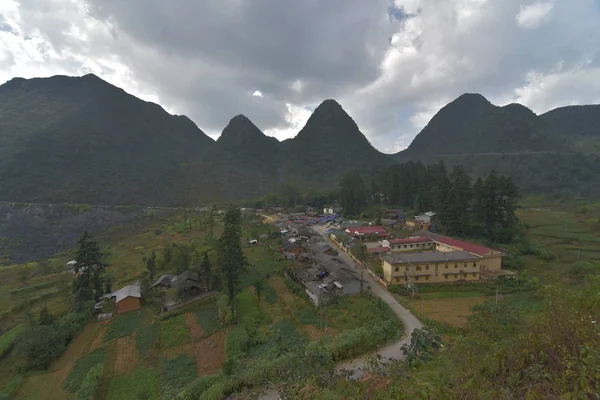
{"x":151,"y":265}
{"x":458,"y":202}
{"x":90,"y":269}
{"x":353,"y":195}
{"x":230,"y":255}
{"x":205,"y":271}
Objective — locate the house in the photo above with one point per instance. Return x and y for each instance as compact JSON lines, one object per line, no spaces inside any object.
{"x":426,"y":217}
{"x":294,"y":248}
{"x":128,"y":298}
{"x":394,"y":213}
{"x":365,"y":232}
{"x":71,"y":265}
{"x":330,"y":280}
{"x":378,"y":251}
{"x":189,"y":278}
{"x":163,"y":282}
{"x":408,"y":244}
{"x":389,"y":223}
{"x":431,"y":267}
{"x":253,"y":241}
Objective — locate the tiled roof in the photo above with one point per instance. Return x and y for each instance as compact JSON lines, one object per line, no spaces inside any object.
{"x":378,"y":249}
{"x":367,"y":230}
{"x":462,"y":245}
{"x":429,"y":257}
{"x":419,"y":239}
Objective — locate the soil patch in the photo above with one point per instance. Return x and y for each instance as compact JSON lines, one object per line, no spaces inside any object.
{"x":210,"y":354}
{"x":173,"y":352}
{"x":314,"y":332}
{"x":126,"y":354}
{"x":196,"y":331}
{"x":47,"y":386}
{"x":99,"y":339}
{"x":78,"y":346}
{"x":450,"y":311}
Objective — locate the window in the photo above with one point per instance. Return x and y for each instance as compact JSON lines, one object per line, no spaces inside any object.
{"x":474,"y":274}
{"x":397,"y":279}
{"x":427,"y":267}
{"x":474,"y":264}
{"x":396,"y":269}
{"x":427,"y":278}
{"x":416,"y":278}
{"x":446,"y":266}
{"x":411,"y":246}
{"x":455,"y":265}
{"x":418,"y":268}
{"x":465,"y":265}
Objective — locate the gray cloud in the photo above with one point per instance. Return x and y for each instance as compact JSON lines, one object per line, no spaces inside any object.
{"x":392,"y":65}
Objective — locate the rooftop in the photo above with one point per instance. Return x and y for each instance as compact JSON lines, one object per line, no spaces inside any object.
{"x":367,"y":230}
{"x":127,"y":291}
{"x":380,"y":249}
{"x":461,"y":245}
{"x":429,"y":257}
{"x":409,"y":240}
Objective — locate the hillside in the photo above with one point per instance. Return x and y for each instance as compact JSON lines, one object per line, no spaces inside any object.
{"x":83,"y":140}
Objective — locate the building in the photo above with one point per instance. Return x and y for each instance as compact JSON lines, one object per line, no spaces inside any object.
{"x":408,"y":244}
{"x":164,"y":282}
{"x":365,"y":232}
{"x":426,"y":217}
{"x":378,"y":251}
{"x":491,"y":260}
{"x":431,"y":267}
{"x":294,"y":248}
{"x":323,"y":283}
{"x":187,"y":278}
{"x":332,"y":210}
{"x":128,"y":298}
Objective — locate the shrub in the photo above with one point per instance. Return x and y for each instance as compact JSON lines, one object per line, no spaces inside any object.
{"x":307,"y":316}
{"x":89,"y":386}
{"x":238,"y":342}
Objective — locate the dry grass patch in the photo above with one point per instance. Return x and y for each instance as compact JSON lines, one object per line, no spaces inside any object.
{"x":196,"y":331}
{"x":450,"y":311}
{"x":126,"y":354}
{"x":47,"y":386}
{"x":99,"y":339}
{"x":210,"y":354}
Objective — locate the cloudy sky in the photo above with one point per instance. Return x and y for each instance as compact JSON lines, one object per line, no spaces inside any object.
{"x":390,"y":63}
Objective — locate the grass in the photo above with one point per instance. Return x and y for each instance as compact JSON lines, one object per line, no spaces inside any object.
{"x":82,"y":367}
{"x":208,"y":319}
{"x":124,"y":325}
{"x":249,"y":310}
{"x":173,"y":332}
{"x":146,"y":339}
{"x":8,"y":339}
{"x":179,"y":371}
{"x":141,"y":383}
{"x":269,"y":294}
{"x":8,"y":392}
{"x":307,"y":316}
{"x":450,"y":295}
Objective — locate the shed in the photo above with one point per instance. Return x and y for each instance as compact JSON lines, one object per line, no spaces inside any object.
{"x":128,"y":298}
{"x":164,"y":282}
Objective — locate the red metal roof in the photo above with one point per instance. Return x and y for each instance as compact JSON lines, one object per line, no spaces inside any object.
{"x":367,"y":230}
{"x":378,"y":249}
{"x":462,"y":245}
{"x":418,"y":239}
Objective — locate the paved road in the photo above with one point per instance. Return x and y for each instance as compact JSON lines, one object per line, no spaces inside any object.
{"x":390,"y":352}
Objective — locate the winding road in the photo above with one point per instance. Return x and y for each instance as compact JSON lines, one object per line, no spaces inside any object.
{"x":390,"y":352}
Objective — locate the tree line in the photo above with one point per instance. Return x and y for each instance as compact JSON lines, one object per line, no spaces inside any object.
{"x":484,"y":207}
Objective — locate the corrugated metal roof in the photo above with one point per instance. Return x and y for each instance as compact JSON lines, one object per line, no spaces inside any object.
{"x":429,"y":257}
{"x":128,"y":291}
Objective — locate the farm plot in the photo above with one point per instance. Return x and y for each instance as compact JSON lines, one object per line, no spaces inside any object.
{"x":78,"y":346}
{"x":208,"y":318}
{"x":174,"y":332}
{"x":81,"y":368}
{"x":126,"y":354}
{"x":210,"y":354}
{"x":47,"y":386}
{"x":196,"y":331}
{"x":99,"y":339}
{"x":179,"y":371}
{"x":124,"y":325}
{"x":141,"y":383}
{"x":450,"y":311}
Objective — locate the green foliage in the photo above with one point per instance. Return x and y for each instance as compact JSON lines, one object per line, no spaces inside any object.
{"x":81,"y":368}
{"x":208,"y":318}
{"x":224,"y":310}
{"x":307,"y":316}
{"x":493,"y":320}
{"x":141,"y":383}
{"x":146,"y":339}
{"x":45,"y":316}
{"x":423,"y":344}
{"x":295,"y":287}
{"x":10,"y":338}
{"x":249,"y":310}
{"x":8,"y":392}
{"x":353,"y":194}
{"x":173,"y":332}
{"x":89,"y":385}
{"x":124,"y":325}
{"x":90,"y":267}
{"x":179,"y":371}
{"x":238,"y":342}
{"x":32,"y":288}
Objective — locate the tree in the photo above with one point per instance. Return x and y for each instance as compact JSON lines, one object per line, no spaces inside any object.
{"x":353,"y":195}
{"x":360,"y":252}
{"x":258,"y":288}
{"x":151,"y":265}
{"x":205,"y":271}
{"x":108,"y":285}
{"x":455,"y":217}
{"x":230,"y":255}
{"x":90,"y":269}
{"x":45,"y":316}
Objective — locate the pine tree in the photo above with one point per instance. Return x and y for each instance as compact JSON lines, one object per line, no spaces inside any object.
{"x":230,"y":255}
{"x":353,"y":195}
{"x":205,"y":271}
{"x":90,"y":269}
{"x":151,"y":266}
{"x":458,"y":202}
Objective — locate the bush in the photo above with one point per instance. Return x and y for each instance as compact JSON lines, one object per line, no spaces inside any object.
{"x":307,"y":316}
{"x":224,"y":310}
{"x":81,"y":369}
{"x":89,"y":386}
{"x":580,"y":269}
{"x":9,"y":391}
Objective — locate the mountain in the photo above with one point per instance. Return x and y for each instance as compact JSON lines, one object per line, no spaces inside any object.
{"x":65,"y":139}
{"x":575,"y":121}
{"x":472,"y":125}
{"x":83,"y":140}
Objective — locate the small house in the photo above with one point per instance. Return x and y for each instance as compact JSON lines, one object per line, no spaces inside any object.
{"x":293,"y":248}
{"x":164,"y":282}
{"x":189,"y":278}
{"x":128,"y":298}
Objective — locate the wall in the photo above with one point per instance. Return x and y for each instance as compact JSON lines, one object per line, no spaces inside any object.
{"x":128,"y":304}
{"x":491,"y":263}
{"x":466,"y":270}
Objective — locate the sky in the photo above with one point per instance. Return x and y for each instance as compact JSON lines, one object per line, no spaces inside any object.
{"x":392,"y":64}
